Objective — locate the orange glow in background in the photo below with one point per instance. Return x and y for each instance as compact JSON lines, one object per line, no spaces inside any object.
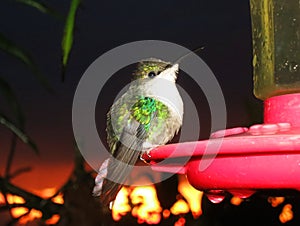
{"x":121,"y":205}
{"x":180,"y":222}
{"x":180,"y":207}
{"x":146,"y":205}
{"x":33,"y":213}
{"x":236,"y":200}
{"x":275,"y":201}
{"x":286,"y":214}
{"x":143,"y":203}
{"x":191,"y":195}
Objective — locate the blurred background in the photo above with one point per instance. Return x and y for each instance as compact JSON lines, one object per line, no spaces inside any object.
{"x":45,"y":47}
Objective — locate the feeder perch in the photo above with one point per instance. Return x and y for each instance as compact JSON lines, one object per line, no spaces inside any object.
{"x":264,"y":156}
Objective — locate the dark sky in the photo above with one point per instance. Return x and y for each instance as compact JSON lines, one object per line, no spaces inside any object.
{"x":222,"y":27}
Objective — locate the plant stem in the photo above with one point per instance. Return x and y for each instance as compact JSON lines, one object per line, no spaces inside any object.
{"x":10,"y":156}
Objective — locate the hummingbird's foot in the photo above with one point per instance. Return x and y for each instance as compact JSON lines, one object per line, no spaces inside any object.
{"x":148,"y":146}
{"x":141,"y":158}
{"x":148,"y":153}
{"x":147,"y":149}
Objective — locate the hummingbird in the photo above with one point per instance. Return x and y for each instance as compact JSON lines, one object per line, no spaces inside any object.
{"x":147,"y":115}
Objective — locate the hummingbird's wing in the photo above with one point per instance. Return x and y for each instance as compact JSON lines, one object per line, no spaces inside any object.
{"x":127,"y":151}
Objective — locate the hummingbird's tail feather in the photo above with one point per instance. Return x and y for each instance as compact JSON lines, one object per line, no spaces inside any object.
{"x":102,"y":173}
{"x":117,"y":172}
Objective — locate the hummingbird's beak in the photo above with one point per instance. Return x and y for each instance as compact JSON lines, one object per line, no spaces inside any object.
{"x":170,"y":73}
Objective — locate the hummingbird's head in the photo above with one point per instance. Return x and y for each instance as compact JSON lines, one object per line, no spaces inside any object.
{"x":157,"y":79}
{"x":154,"y":68}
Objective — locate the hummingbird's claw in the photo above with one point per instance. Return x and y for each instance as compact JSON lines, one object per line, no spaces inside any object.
{"x":141,"y":158}
{"x":149,"y":147}
{"x":145,"y":160}
{"x":148,"y":153}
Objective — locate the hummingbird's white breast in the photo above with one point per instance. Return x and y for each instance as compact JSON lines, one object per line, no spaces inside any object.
{"x":163,"y":88}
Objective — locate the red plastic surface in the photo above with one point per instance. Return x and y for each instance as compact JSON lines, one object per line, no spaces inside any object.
{"x":265,"y":156}
{"x":284,"y":108}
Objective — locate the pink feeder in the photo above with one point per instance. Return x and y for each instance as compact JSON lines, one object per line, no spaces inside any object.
{"x":265,"y":156}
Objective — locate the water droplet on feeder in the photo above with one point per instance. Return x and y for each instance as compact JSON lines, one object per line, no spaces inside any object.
{"x":215,"y":196}
{"x":243,"y":194}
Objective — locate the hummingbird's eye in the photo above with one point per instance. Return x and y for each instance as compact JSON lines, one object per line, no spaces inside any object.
{"x":151,"y":74}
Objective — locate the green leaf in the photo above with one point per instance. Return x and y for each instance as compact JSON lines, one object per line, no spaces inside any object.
{"x":67,"y":40}
{"x":12,"y":49}
{"x":40,"y":6}
{"x":9,"y":47}
{"x":21,"y":135}
{"x":8,"y":94}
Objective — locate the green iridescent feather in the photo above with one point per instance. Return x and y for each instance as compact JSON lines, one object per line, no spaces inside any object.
{"x":150,"y":113}
{"x":146,"y":108}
